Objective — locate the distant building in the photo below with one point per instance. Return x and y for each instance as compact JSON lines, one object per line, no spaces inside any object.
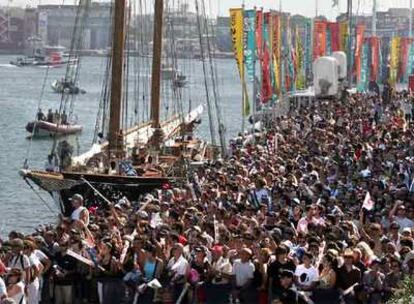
{"x":223,"y":36}
{"x":56,"y":24}
{"x":394,"y":22}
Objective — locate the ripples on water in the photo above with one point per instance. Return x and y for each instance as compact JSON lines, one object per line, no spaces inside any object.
{"x":20,"y":89}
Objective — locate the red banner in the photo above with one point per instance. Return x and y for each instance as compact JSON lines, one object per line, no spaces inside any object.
{"x":266,"y":80}
{"x":375,"y":49}
{"x":358,"y":49}
{"x":334,"y":28}
{"x":259,"y":34}
{"x":319,"y":39}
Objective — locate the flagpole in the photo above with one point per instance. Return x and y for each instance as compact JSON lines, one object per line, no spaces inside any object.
{"x":243,"y":85}
{"x":349,"y":47}
{"x":374,"y":18}
{"x":254,"y":80}
{"x":280,"y":53}
{"x":410,"y":30}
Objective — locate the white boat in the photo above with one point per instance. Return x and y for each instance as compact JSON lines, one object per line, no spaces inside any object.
{"x":48,"y":129}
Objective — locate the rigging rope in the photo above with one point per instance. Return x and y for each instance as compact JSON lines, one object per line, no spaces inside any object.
{"x":42,"y":92}
{"x":209,"y":106}
{"x":213,"y":74}
{"x":40,"y":197}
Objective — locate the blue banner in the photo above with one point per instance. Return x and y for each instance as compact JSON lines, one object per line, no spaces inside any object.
{"x":250,"y":43}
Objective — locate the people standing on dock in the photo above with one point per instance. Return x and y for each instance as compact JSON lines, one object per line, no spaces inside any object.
{"x":317,"y":207}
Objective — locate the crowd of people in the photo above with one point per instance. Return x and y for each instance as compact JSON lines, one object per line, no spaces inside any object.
{"x":316,"y":208}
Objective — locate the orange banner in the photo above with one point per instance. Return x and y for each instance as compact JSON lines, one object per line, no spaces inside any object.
{"x":319,"y":38}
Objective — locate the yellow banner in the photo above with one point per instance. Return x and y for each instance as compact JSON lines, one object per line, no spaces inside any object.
{"x":299,"y":61}
{"x":237,"y":35}
{"x":394,"y":62}
{"x":343,"y":34}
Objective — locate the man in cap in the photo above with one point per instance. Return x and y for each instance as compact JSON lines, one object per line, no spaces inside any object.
{"x":79,"y":213}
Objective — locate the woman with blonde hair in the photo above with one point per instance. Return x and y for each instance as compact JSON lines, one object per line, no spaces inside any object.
{"x":367,"y":253}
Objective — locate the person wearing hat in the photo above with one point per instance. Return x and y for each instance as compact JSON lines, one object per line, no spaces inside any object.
{"x":19,"y":259}
{"x":80,"y":212}
{"x":243,"y":272}
{"x":16,"y":286}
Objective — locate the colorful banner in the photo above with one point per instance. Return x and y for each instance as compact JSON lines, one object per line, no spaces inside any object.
{"x":290,"y":73}
{"x":299,"y":60}
{"x":375,"y":56}
{"x":363,"y":82}
{"x":237,"y":34}
{"x":266,"y":91}
{"x":308,"y":48}
{"x":394,"y":59}
{"x":360,"y":30}
{"x":343,"y":35}
{"x":410,"y":60}
{"x":335,"y":41}
{"x":319,"y":39}
{"x":276,"y":50}
{"x":404,"y":53}
{"x":250,"y":47}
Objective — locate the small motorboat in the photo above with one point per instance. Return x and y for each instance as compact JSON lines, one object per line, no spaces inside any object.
{"x":43,"y":128}
{"x":66,"y":86}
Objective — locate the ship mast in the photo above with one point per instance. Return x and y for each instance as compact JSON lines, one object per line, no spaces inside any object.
{"x":115,"y":133}
{"x":156,"y":73}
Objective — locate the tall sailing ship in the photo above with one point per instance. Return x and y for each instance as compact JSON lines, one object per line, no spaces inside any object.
{"x":128,"y":160}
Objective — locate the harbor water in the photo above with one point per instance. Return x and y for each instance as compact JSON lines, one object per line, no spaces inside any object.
{"x":21,"y":88}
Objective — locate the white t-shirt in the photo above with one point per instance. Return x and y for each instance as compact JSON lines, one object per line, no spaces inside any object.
{"x":223,"y":266}
{"x":3,"y":290}
{"x":20,"y":261}
{"x":243,"y":272}
{"x":178,"y":267}
{"x":306,"y":275}
{"x":40,"y":255}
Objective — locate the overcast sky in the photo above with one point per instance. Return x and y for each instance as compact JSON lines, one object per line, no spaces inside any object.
{"x":304,"y":7}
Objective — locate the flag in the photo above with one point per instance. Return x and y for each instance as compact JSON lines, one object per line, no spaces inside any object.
{"x":250,"y":49}
{"x":276,"y":50}
{"x":319,"y":39}
{"x":300,"y":77}
{"x":343,"y":35}
{"x":266,"y":91}
{"x":335,"y":38}
{"x":363,"y":81}
{"x":360,"y":30}
{"x":375,"y":56}
{"x":368,"y":203}
{"x":394,"y":59}
{"x":237,"y":34}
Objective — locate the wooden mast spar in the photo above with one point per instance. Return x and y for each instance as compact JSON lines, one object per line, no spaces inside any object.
{"x":158,"y":135}
{"x":115,"y":138}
